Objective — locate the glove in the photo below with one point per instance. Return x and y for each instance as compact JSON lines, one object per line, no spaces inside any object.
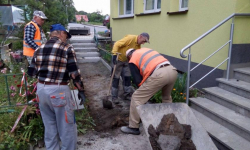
{"x":81,"y":97}
{"x":114,"y":59}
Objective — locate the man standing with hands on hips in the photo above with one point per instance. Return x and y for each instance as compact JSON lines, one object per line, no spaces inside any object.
{"x":151,"y":72}
{"x":54,"y":64}
{"x":122,"y":68}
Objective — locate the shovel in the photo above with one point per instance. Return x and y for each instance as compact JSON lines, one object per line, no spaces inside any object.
{"x":107,"y":101}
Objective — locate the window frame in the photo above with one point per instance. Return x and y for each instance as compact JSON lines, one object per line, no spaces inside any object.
{"x":152,"y":10}
{"x":180,"y":8}
{"x":124,"y":9}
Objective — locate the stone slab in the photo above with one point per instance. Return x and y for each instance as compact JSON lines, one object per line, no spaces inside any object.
{"x":153,"y":113}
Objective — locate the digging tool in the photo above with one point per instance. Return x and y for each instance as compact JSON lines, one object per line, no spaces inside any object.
{"x":107,"y":101}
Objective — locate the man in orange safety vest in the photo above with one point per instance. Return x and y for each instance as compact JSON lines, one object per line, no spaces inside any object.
{"x":151,"y":72}
{"x":34,"y":35}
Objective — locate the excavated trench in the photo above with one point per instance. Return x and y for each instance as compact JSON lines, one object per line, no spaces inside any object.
{"x":106,"y":134}
{"x":96,"y":78}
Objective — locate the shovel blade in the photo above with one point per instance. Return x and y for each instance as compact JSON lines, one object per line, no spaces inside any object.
{"x":107,"y":103}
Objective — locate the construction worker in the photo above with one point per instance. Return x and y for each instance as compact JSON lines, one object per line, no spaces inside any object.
{"x":151,"y":72}
{"x":122,"y":69}
{"x":54,"y":63}
{"x":34,"y":35}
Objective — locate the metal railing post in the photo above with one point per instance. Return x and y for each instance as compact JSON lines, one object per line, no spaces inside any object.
{"x":95,"y":37}
{"x":230,"y":49}
{"x":26,"y":90}
{"x":7,"y":88}
{"x":188,"y":76}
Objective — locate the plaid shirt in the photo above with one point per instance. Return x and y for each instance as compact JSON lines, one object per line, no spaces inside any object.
{"x":29,"y":33}
{"x":53,"y":62}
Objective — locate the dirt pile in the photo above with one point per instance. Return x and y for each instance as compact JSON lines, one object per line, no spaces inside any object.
{"x":171,"y":135}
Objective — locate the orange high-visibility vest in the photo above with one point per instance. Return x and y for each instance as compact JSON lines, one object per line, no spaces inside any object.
{"x":146,"y":60}
{"x":27,"y":50}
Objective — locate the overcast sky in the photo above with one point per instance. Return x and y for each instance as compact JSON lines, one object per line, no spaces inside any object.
{"x":90,"y":6}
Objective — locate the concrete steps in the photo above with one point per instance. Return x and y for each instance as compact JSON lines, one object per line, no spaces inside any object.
{"x":242,"y":74}
{"x":224,"y":116}
{"x":88,"y":59}
{"x":223,"y":136}
{"x":88,"y":49}
{"x":83,"y":45}
{"x":85,"y":49}
{"x":81,"y":40}
{"x":238,"y":87}
{"x":225,"y":111}
{"x":87,"y":54}
{"x":230,"y":100}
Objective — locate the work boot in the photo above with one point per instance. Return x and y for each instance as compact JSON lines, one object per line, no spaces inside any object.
{"x":115,"y":100}
{"x":128,"y":130}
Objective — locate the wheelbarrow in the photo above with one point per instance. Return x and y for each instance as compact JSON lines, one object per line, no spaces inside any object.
{"x":151,"y":114}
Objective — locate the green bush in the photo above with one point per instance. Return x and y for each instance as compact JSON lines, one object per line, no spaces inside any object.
{"x":83,"y":121}
{"x":108,"y":25}
{"x":178,"y":93}
{"x":27,"y":130}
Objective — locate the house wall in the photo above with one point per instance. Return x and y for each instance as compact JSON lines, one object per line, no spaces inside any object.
{"x":170,"y":33}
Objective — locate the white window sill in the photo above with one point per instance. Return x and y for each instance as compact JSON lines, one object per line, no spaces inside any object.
{"x":123,"y":17}
{"x":145,"y":14}
{"x":151,"y":11}
{"x":177,"y":12}
{"x":183,"y":9}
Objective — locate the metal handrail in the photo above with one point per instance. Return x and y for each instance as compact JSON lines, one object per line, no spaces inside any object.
{"x":209,"y":31}
{"x":228,"y":59}
{"x":210,"y":55}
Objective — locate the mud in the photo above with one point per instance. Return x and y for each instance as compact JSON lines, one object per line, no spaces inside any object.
{"x":96,"y":80}
{"x":170,"y":134}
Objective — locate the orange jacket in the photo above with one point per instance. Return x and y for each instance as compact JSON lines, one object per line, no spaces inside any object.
{"x":27,"y":50}
{"x":146,"y":60}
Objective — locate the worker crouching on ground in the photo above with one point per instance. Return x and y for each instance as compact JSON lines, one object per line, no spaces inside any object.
{"x":122,"y":68}
{"x":54,"y":64}
{"x":151,"y":72}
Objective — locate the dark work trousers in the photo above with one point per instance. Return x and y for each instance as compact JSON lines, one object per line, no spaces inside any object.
{"x":122,"y":69}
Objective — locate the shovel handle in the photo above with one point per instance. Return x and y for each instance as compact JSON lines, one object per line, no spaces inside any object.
{"x":113,"y":73}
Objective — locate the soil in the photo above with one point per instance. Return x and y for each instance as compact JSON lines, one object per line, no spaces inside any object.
{"x":96,"y":80}
{"x":106,"y":134}
{"x":170,"y":134}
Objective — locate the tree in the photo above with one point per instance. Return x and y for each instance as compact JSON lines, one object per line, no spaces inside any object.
{"x":55,"y":10}
{"x":4,"y":1}
{"x":95,"y":16}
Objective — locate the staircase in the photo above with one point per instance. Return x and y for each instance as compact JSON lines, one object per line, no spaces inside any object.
{"x":85,"y":49}
{"x":225,"y":111}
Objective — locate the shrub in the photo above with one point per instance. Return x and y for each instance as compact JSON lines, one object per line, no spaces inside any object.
{"x":179,"y":91}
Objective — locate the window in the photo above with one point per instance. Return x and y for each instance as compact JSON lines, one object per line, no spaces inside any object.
{"x":183,"y":5}
{"x":126,"y":8}
{"x":152,"y":6}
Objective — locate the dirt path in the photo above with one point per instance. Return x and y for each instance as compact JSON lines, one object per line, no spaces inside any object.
{"x":107,"y":134}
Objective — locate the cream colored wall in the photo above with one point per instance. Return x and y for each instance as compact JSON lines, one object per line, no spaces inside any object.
{"x":170,"y":33}
{"x":242,"y":29}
